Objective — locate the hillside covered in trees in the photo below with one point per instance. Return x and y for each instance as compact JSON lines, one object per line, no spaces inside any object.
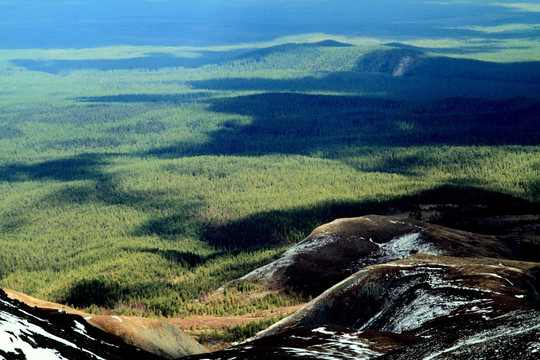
{"x":137,"y":177}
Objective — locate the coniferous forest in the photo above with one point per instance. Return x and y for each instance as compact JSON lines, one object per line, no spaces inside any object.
{"x":138,"y":179}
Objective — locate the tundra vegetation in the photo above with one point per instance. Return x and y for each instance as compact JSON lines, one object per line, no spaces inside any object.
{"x":139,"y":179}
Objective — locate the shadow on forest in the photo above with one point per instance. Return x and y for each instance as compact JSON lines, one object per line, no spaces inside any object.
{"x":145,"y":98}
{"x":289,"y":123}
{"x":100,"y":187}
{"x":98,"y":292}
{"x":152,"y":61}
{"x":81,"y":167}
{"x":187,"y":260}
{"x":9,"y":132}
{"x":455,"y":203}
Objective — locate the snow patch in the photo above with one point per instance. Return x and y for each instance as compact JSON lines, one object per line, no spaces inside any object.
{"x":425,"y":307}
{"x":498,"y":277}
{"x":486,"y":336}
{"x":399,"y":248}
{"x":427,"y":304}
{"x":337,"y":346}
{"x":402,"y":66}
{"x":323,"y":330}
{"x":117,"y":318}
{"x":20,"y":331}
{"x":79,"y":328}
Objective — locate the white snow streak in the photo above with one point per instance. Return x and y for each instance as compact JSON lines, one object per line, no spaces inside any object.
{"x":338,"y":346}
{"x":12,"y":329}
{"x":482,"y":338}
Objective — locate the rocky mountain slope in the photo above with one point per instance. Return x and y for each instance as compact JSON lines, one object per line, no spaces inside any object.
{"x":417,"y":291}
{"x":24,"y":319}
{"x":30,"y":333}
{"x":338,"y":249}
{"x":386,"y":288}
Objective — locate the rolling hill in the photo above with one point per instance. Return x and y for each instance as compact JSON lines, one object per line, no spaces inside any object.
{"x":421,"y":291}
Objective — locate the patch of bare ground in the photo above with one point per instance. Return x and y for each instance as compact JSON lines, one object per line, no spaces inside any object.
{"x":153,"y":335}
{"x":42,"y":304}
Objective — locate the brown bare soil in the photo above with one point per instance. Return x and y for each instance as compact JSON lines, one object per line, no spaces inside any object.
{"x":42,"y":304}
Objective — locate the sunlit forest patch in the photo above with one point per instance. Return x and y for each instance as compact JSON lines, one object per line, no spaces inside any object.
{"x":140,"y":174}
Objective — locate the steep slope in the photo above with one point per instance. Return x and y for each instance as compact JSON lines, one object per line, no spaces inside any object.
{"x":336,"y":250}
{"x":417,"y":290}
{"x":152,"y":335}
{"x":30,"y":333}
{"x":425,"y":306}
{"x":397,"y":62}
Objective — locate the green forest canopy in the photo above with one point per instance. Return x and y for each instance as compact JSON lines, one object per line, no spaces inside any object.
{"x":142,"y":178}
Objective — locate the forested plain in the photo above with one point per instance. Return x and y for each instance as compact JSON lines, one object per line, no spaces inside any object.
{"x":139,"y":179}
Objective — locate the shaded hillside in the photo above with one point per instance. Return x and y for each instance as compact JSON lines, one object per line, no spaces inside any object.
{"x":412,"y":62}
{"x":336,"y":250}
{"x":397,"y":62}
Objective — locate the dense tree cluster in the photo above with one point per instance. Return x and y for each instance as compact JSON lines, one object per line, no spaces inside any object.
{"x":144,"y":190}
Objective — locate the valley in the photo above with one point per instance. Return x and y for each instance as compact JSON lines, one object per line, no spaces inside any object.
{"x":218,"y":180}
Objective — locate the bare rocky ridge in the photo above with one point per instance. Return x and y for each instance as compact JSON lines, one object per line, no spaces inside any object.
{"x":32,"y":333}
{"x":420,"y":291}
{"x":338,"y":249}
{"x":151,"y":335}
{"x":403,"y":295}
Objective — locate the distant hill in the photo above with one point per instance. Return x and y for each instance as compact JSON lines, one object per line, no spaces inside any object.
{"x":292,"y":47}
{"x":413,"y":62}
